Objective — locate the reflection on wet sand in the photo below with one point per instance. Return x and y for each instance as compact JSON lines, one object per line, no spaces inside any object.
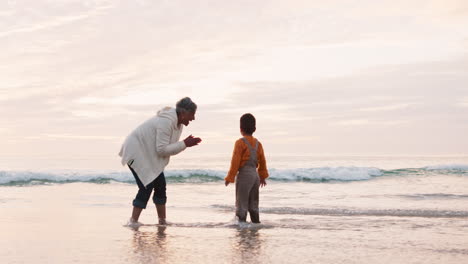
{"x":149,"y":246}
{"x":247,"y":246}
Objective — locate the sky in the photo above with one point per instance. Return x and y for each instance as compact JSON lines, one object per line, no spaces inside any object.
{"x":321,"y":77}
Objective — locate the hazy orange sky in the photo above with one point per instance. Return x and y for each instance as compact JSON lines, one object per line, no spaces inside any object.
{"x":334,"y":78}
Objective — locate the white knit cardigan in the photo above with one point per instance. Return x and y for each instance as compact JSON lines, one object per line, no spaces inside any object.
{"x":151,"y":144}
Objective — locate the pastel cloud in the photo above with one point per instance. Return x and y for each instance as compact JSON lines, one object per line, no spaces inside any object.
{"x":82,"y":71}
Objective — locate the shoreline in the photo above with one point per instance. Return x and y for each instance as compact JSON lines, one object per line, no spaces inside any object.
{"x":84,"y":223}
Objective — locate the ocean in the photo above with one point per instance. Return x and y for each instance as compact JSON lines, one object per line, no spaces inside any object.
{"x":314,"y":209}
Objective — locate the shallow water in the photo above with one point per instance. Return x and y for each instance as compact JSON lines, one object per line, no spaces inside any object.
{"x":388,"y":219}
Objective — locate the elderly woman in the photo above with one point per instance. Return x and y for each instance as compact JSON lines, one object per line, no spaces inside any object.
{"x":147,"y":149}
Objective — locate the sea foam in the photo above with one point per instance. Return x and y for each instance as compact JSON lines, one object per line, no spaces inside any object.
{"x":453,"y":167}
{"x":319,"y":174}
{"x":326,"y":174}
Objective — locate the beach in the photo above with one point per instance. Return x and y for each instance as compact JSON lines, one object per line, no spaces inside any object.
{"x":416,"y":216}
{"x":361,"y":109}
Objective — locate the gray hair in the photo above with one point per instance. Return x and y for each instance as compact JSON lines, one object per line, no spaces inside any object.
{"x":186,"y":105}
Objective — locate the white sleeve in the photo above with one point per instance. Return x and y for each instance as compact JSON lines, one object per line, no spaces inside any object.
{"x":163,"y":140}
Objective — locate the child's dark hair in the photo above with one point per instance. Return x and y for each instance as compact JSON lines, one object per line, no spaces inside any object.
{"x":247,"y":123}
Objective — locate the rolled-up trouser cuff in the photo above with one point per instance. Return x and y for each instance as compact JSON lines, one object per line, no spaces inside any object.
{"x":158,"y":200}
{"x":144,"y":192}
{"x":139,"y":204}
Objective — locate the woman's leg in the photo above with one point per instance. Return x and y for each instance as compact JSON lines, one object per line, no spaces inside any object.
{"x":160,"y":198}
{"x":142,"y":197}
{"x":136,"y":213}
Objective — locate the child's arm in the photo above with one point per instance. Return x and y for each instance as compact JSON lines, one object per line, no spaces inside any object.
{"x":262,"y":182}
{"x":262,"y":167}
{"x":235,"y":163}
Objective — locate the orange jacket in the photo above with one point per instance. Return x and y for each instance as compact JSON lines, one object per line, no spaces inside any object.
{"x":241,"y":154}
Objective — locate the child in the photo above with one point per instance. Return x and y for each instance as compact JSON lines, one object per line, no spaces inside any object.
{"x":246,"y":157}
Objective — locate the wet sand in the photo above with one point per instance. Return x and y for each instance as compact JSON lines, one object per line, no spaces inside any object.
{"x":84,"y":223}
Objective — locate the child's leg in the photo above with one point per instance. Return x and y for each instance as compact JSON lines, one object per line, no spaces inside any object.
{"x":254,"y":201}
{"x":242,"y":198}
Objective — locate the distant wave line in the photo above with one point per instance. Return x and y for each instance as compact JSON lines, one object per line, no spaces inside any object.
{"x":314,"y":175}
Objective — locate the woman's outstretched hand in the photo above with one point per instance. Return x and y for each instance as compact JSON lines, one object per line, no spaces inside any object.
{"x":191,"y":141}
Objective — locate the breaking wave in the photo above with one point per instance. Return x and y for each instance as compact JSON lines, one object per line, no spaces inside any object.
{"x":314,"y":175}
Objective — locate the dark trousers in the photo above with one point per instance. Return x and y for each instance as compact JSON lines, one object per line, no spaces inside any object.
{"x":144,"y":193}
